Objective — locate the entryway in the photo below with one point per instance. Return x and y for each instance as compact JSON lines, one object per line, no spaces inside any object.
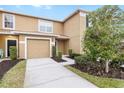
{"x":10,"y":43}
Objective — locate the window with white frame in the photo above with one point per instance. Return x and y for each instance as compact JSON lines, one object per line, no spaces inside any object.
{"x":45,"y":26}
{"x":8,"y":21}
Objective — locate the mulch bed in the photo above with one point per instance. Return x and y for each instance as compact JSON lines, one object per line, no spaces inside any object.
{"x":59,"y":61}
{"x":113,"y":73}
{"x":69,"y":57}
{"x":6,"y":65}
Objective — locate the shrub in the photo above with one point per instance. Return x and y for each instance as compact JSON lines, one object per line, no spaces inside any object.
{"x":59,"y":56}
{"x":13,"y":53}
{"x":75,"y":55}
{"x":70,"y":52}
{"x":118,"y":61}
{"x":53,"y":51}
{"x":86,"y":64}
{"x":83,"y":59}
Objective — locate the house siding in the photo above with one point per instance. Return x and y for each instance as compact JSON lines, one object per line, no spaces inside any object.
{"x":26,"y":24}
{"x":83,"y":26}
{"x":30,"y":24}
{"x":0,"y":21}
{"x":62,"y":46}
{"x":72,"y":29}
{"x":58,"y":28}
{"x":21,"y":46}
{"x":3,"y":41}
{"x":75,"y":28}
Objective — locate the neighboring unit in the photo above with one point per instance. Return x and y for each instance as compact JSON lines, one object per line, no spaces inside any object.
{"x":34,"y":36}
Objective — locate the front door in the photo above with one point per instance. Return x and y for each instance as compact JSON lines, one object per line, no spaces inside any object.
{"x":10,"y":43}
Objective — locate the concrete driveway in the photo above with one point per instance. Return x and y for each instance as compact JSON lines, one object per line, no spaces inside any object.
{"x":46,"y":73}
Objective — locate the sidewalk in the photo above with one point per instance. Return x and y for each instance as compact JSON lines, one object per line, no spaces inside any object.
{"x":69,"y":61}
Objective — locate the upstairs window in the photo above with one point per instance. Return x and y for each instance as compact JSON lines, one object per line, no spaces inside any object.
{"x":8,"y":21}
{"x":45,"y":26}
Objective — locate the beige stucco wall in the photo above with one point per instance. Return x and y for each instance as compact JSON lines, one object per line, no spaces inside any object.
{"x":58,"y":28}
{"x":0,"y":21}
{"x":30,"y":24}
{"x":62,"y":46}
{"x":33,"y":25}
{"x":3,"y":41}
{"x":21,"y":46}
{"x":82,"y":31}
{"x":27,"y":24}
{"x":74,"y":28}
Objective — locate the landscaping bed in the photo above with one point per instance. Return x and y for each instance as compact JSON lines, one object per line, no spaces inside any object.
{"x":99,"y":71}
{"x":14,"y":78}
{"x":101,"y":82}
{"x":59,"y":61}
{"x":6,"y":65}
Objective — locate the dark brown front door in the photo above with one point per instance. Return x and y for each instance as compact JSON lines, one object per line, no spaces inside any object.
{"x":10,"y":43}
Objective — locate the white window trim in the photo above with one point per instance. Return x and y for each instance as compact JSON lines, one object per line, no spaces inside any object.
{"x":39,"y":22}
{"x":36,"y":38}
{"x":3,"y":21}
{"x":6,"y":44}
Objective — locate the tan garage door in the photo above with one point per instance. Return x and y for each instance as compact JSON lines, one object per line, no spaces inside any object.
{"x":37,"y":48}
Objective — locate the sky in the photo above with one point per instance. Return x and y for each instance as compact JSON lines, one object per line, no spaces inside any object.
{"x":57,"y":12}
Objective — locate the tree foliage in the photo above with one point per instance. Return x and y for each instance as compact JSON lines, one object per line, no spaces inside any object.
{"x":103,"y":36}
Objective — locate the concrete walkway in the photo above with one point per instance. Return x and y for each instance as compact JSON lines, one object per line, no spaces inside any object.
{"x":4,"y":59}
{"x":1,"y":60}
{"x":46,"y":73}
{"x":69,"y":61}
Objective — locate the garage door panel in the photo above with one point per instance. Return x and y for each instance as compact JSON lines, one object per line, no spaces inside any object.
{"x":38,"y":48}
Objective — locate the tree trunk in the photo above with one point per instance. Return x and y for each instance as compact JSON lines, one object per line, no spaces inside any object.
{"x":107,"y":66}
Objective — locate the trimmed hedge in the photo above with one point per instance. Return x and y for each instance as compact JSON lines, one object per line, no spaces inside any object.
{"x":70,"y":52}
{"x":53,"y":51}
{"x":56,"y":55}
{"x":83,"y":59}
{"x":118,"y":61}
{"x":59,"y":56}
{"x":13,"y":52}
{"x":75,"y":55}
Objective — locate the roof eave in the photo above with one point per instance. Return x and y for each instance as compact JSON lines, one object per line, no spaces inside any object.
{"x":77,"y":11}
{"x":48,"y":19}
{"x":43,"y":18}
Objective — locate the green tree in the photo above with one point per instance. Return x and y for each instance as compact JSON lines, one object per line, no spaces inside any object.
{"x":104,"y":34}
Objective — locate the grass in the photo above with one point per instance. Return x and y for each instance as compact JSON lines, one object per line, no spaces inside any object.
{"x":14,"y":78}
{"x":99,"y":81}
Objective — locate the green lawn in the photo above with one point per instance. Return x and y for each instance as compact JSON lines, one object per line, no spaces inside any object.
{"x":14,"y":78}
{"x":99,"y":81}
